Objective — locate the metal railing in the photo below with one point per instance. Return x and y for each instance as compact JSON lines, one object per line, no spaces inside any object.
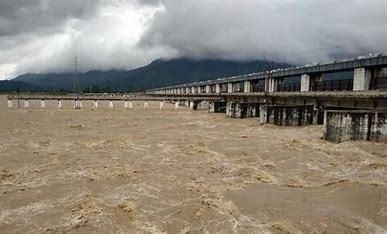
{"x":291,"y":87}
{"x":257,"y":88}
{"x":332,"y":85}
{"x":379,"y":83}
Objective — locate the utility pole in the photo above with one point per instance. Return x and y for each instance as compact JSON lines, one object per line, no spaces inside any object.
{"x":76,"y":77}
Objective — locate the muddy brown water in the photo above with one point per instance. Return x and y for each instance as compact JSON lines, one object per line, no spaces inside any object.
{"x":152,"y":171}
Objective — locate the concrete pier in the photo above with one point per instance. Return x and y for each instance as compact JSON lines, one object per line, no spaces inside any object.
{"x":95,"y":104}
{"x":77,"y":104}
{"x":247,"y":86}
{"x":263,"y":114}
{"x":305,"y":82}
{"x":126,"y":106}
{"x":361,"y":79}
{"x":59,"y":104}
{"x":146,"y":106}
{"x":26,"y":104}
{"x":161,"y":105}
{"x":177,"y":105}
{"x":111,"y":105}
{"x":345,"y":125}
{"x":43,"y":104}
{"x":10,"y":104}
{"x":217,"y":88}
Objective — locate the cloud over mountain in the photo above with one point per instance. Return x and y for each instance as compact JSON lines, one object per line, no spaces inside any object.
{"x":45,"y":35}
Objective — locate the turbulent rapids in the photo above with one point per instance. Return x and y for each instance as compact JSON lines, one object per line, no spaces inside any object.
{"x":181,"y":171}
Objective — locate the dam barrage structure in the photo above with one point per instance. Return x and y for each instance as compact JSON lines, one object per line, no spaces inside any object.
{"x":352,"y":108}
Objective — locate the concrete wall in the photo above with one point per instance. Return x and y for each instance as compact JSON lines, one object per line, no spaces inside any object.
{"x":305,"y":82}
{"x":345,"y":125}
{"x":361,"y":79}
{"x":291,"y":115}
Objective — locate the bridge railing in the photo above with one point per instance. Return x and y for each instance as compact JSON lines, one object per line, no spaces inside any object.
{"x":332,"y":85}
{"x":379,"y":83}
{"x":257,"y":88}
{"x":291,"y":87}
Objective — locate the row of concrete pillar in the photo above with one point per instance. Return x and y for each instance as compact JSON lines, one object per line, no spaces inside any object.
{"x":216,"y":88}
{"x":78,"y":104}
{"x":361,"y":82}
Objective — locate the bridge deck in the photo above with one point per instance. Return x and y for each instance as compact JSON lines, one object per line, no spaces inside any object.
{"x":379,"y":61}
{"x":212,"y":96}
{"x":314,"y":94}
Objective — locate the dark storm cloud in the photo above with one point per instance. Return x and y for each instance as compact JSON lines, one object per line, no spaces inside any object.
{"x":45,"y":35}
{"x":21,"y":16}
{"x":289,"y":31}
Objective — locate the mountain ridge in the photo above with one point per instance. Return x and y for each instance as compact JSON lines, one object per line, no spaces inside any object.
{"x":158,"y":73}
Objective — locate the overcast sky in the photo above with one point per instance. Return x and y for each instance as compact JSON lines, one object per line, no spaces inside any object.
{"x":45,"y":35}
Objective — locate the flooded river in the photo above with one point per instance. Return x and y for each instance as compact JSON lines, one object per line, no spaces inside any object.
{"x":181,"y":171}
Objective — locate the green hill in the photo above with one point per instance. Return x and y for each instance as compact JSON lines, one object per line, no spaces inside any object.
{"x":157,"y":74}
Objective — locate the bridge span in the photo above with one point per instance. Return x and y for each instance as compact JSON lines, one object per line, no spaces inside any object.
{"x":348,"y":97}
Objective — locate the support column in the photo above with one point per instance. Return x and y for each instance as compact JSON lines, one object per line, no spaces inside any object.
{"x":217,"y":88}
{"x":161,"y":105}
{"x":247,"y":86}
{"x":75,"y":104}
{"x":80,"y":104}
{"x":146,"y":106}
{"x":211,"y":107}
{"x":229,"y":88}
{"x":191,"y":105}
{"x":272,"y":87}
{"x":9,"y":104}
{"x":111,"y":106}
{"x":95,"y":104}
{"x":361,"y":79}
{"x":208,"y":89}
{"x":263,"y":114}
{"x":126,"y":104}
{"x":305,"y":82}
{"x":176,"y":105}
{"x":275,"y":84}
{"x":59,"y":104}
{"x":26,"y":104}
{"x":130,"y":105}
{"x":42,"y":104}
